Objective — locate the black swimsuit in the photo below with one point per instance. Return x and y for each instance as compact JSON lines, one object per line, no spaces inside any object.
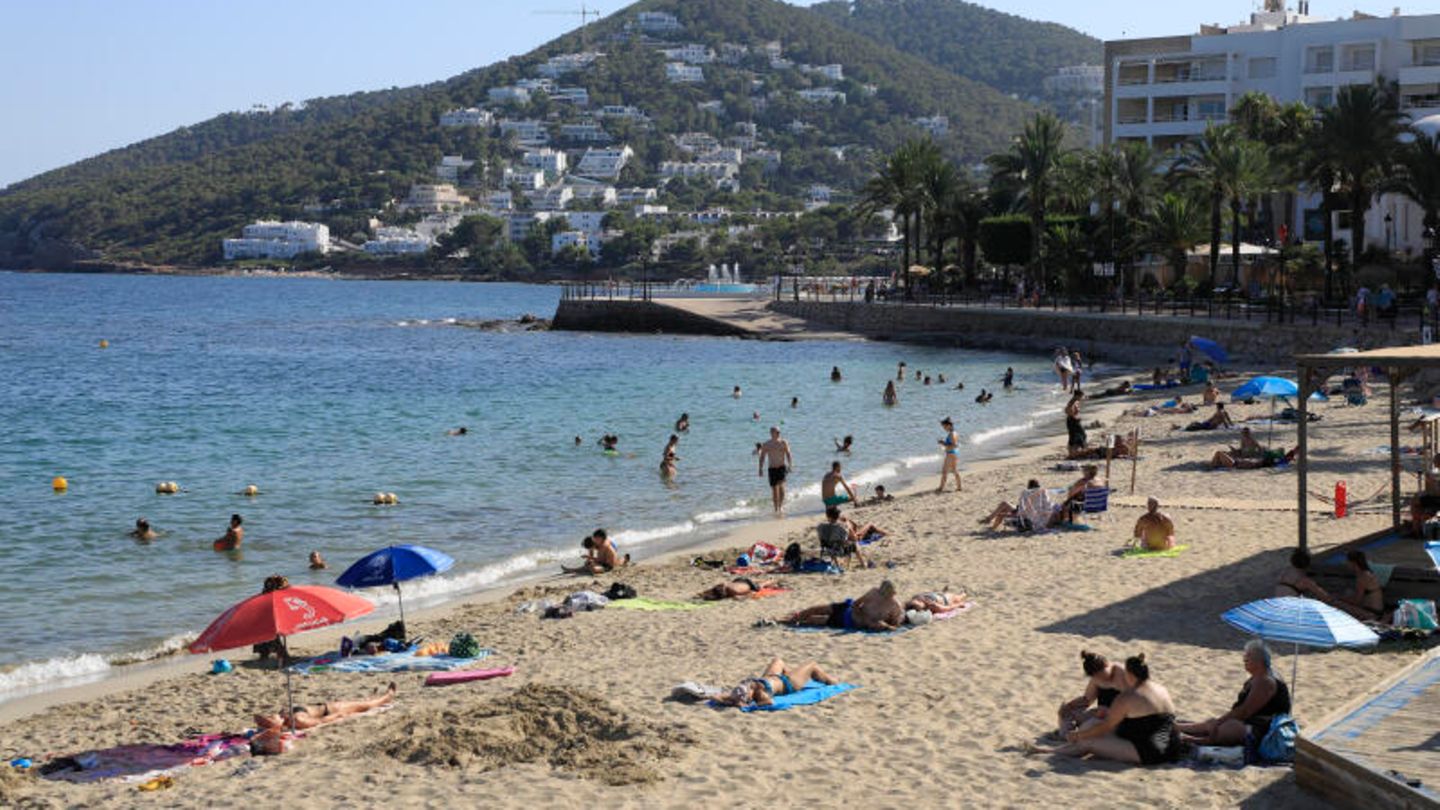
{"x":1279,"y":703}
{"x":1153,"y":736}
{"x":1105,"y":697}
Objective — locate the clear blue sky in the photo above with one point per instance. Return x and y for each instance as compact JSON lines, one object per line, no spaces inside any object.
{"x":78,"y":77}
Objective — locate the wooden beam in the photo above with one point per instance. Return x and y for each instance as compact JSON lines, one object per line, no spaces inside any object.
{"x":1302,"y":463}
{"x":1390,"y":373}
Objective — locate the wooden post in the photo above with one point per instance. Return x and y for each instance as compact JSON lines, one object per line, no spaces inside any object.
{"x":1109,"y":454}
{"x":1301,"y":467}
{"x":1390,"y":373}
{"x":1134,"y":460}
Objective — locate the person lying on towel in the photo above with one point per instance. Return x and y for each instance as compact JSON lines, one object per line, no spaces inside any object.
{"x":737,"y":588}
{"x":878,"y":609}
{"x":777,"y":680}
{"x":272,"y":727}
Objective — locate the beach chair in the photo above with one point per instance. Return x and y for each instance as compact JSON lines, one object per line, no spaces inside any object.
{"x":1097,"y":501}
{"x":834,"y":540}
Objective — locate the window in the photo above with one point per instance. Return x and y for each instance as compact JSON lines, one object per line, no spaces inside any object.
{"x":1320,"y":60}
{"x":1210,"y":109}
{"x":1359,"y":57}
{"x":1319,"y":97}
{"x":1262,"y":67}
{"x":1427,"y":53}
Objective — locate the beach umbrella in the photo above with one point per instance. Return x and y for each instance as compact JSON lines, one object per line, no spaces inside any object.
{"x":1433,"y":549}
{"x":277,"y":614}
{"x":392,"y":565}
{"x":1271,"y":387}
{"x":1210,"y":348}
{"x":1298,"y":621}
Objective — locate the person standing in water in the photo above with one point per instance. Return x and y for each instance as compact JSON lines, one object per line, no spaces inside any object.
{"x":1062,"y":368}
{"x":900,"y":372}
{"x":949,"y":464}
{"x":233,"y":535}
{"x":775,"y":460}
{"x":1077,"y":368}
{"x":668,"y":458}
{"x":1008,"y":381}
{"x":835,"y":374}
{"x":682,"y":425}
{"x":890,"y":398}
{"x":736,"y":393}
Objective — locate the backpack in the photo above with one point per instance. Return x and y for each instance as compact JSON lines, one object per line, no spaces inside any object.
{"x":1278,"y":744}
{"x":464,"y":645}
{"x":620,"y":590}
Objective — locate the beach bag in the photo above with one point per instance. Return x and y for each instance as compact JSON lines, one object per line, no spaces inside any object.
{"x":1278,"y":744}
{"x":620,"y":590}
{"x":464,"y":645}
{"x":1417,"y":613}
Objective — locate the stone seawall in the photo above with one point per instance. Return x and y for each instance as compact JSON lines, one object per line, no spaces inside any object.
{"x":1110,"y":336}
{"x":641,"y":317}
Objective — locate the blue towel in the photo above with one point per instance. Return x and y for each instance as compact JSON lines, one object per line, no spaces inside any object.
{"x":406,"y":661}
{"x":814,"y":692}
{"x":840,"y":631}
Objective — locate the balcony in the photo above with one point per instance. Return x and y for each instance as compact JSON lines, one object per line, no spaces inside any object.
{"x":1420,"y":74}
{"x":1349,"y":77}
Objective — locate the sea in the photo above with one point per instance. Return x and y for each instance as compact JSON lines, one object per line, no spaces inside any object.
{"x":323,"y":392}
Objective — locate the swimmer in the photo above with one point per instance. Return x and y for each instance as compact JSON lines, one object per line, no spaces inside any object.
{"x":759,"y":446}
{"x":578,"y":441}
{"x":233,"y":535}
{"x":668,"y":458}
{"x":845,"y":445}
{"x":927,"y":379}
{"x":682,"y":425}
{"x":142,"y":531}
{"x":460,"y":431}
{"x":1008,"y":381}
{"x":984,"y":397}
{"x":959,"y":386}
{"x":917,"y":373}
{"x":881,"y":495}
{"x":835,"y":374}
{"x":736,"y":393}
{"x":900,"y":372}
{"x":608,"y":442}
{"x":940,"y":379}
{"x":890,"y":398}
{"x":317,"y":563}
{"x":755,"y":416}
{"x":794,"y":402}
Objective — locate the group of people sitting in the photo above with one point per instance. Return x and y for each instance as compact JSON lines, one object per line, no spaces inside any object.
{"x":1251,"y":454}
{"x":601,"y":555}
{"x":1366,"y":601}
{"x":1127,"y":716}
{"x":1036,"y":510}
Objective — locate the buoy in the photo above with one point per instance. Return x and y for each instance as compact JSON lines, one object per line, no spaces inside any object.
{"x":59,"y":484}
{"x":251,"y":491}
{"x":167,"y":487}
{"x":391,"y":498}
{"x":379,"y":499}
{"x":104,"y":344}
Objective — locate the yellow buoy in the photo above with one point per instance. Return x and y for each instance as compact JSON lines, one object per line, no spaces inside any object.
{"x":391,"y":498}
{"x":59,"y":484}
{"x":104,"y":344}
{"x":379,"y":498}
{"x":251,"y":491}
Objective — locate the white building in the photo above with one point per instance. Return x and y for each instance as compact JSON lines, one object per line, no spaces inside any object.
{"x":834,"y":73}
{"x":691,"y":54}
{"x":604,"y":164}
{"x":503,"y":200}
{"x":733,"y":53}
{"x":552,"y":162}
{"x":433,"y":198}
{"x":651,"y":211}
{"x":680,"y":72}
{"x":552,"y":198}
{"x":557,"y":66}
{"x":768,"y":158}
{"x":586,"y":132}
{"x":636,"y":195}
{"x":714,"y":105}
{"x":658,"y":22}
{"x":526,"y":132}
{"x":713,"y":171}
{"x":1165,"y":90}
{"x":468,"y":117}
{"x":1076,"y":80}
{"x":578,"y":96}
{"x":937,"y":125}
{"x":818,"y":197}
{"x":520,"y":223}
{"x":397,"y":242}
{"x":536,"y":85}
{"x":821,"y":95}
{"x":587,"y":221}
{"x":528,"y":179}
{"x":695,"y":142}
{"x":592,"y":192}
{"x":450,"y":167}
{"x":505,"y":95}
{"x":268,"y":239}
{"x":623,"y":111}
{"x":723,"y":154}
{"x":772,"y":49}
{"x":591,"y":242}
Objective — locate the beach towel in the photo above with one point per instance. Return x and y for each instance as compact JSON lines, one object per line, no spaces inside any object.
{"x":813,"y":693}
{"x":747,"y":570}
{"x":406,"y":661}
{"x":467,"y":675}
{"x":141,"y":763}
{"x":646,"y":603}
{"x":764,"y":592}
{"x":1141,"y":553}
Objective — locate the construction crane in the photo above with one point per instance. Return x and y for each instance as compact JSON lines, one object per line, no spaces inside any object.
{"x":585,"y":13}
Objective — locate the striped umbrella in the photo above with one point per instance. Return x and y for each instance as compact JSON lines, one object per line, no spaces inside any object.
{"x":1301,"y":622}
{"x":1433,"y":549}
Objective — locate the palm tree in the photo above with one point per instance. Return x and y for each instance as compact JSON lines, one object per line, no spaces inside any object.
{"x":1171,"y":229}
{"x":898,"y":186}
{"x":1355,"y":141}
{"x":1417,"y":176}
{"x":1246,"y":172}
{"x":1030,"y":165}
{"x":1202,"y":163}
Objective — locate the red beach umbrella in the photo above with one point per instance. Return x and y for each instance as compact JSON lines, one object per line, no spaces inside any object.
{"x":280,"y":613}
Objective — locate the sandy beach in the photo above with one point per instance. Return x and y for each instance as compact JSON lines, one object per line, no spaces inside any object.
{"x":940,"y":714}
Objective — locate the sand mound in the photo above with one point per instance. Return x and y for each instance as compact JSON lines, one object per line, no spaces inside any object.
{"x":569,"y":728}
{"x":13,"y":784}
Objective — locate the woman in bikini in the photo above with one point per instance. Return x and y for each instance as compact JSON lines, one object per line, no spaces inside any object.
{"x":1368,"y":600}
{"x":270,"y":738}
{"x":1105,"y":681}
{"x":1293,"y":581}
{"x":937,"y":601}
{"x":950,"y":465}
{"x":777,"y":680}
{"x":738,"y":588}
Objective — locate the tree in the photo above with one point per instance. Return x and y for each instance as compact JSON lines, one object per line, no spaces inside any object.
{"x":1171,"y":229}
{"x":1356,"y":141}
{"x":1417,"y":176}
{"x":898,"y":185}
{"x":1030,"y":165}
{"x":1206,"y":163}
{"x":1006,"y":240}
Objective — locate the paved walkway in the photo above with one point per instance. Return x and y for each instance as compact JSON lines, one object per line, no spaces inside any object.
{"x":752,"y":315}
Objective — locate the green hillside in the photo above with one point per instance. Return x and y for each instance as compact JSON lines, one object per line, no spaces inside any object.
{"x":1009,"y":53}
{"x":171,"y":199}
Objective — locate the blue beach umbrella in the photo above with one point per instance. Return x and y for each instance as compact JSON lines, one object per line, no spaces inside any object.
{"x":1271,"y":387}
{"x":392,"y":565}
{"x":1300,"y":621}
{"x":1433,"y":549}
{"x":1210,"y":348}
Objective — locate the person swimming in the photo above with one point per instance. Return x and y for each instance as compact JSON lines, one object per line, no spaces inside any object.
{"x":233,"y":535}
{"x":316,"y":561}
{"x":460,"y":431}
{"x":682,"y":425}
{"x":1008,"y":380}
{"x":794,"y":402}
{"x":845,"y":445}
{"x":835,"y":374}
{"x":984,"y":396}
{"x":735,"y":393}
{"x":142,"y":531}
{"x":608,"y":443}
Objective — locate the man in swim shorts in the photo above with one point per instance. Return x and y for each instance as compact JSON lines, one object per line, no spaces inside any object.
{"x":876,"y":610}
{"x":831,"y":483}
{"x":775,"y":460}
{"x":142,"y":531}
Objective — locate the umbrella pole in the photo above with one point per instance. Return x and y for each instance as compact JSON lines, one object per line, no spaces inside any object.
{"x":1294,"y":672}
{"x":401,"y":597}
{"x":289,"y":693}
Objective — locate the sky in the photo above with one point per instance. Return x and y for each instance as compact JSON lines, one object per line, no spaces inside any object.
{"x":79,"y":77}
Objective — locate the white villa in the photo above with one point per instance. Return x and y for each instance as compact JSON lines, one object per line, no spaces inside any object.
{"x":397,"y":242}
{"x":604,"y":164}
{"x":468,"y":117}
{"x":270,"y":239}
{"x":680,"y":72}
{"x":552,"y":162}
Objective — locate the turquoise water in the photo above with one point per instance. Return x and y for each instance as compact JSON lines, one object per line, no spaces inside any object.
{"x":322,"y":393}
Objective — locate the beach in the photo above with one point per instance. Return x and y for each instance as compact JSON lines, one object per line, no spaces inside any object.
{"x":941,"y":713}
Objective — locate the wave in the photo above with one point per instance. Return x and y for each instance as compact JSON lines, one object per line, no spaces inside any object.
{"x":740,"y":510}
{"x":635,"y":537}
{"x":434,"y":589}
{"x":170,"y":646}
{"x":1046,"y":412}
{"x":986,"y":435}
{"x":37,"y":675}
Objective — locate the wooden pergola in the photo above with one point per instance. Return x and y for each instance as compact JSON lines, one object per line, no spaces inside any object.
{"x":1399,"y":364}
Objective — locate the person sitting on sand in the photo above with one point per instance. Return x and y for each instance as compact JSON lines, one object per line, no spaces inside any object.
{"x":233,"y":535}
{"x":1139,"y":728}
{"x":777,"y":680}
{"x":1249,"y":448}
{"x":317,"y":563}
{"x":864,"y":532}
{"x":737,"y":588}
{"x":1004,"y":510}
{"x":877,"y":609}
{"x":1294,"y":581}
{"x":844,"y":445}
{"x":1268,"y":458}
{"x":1217,"y":420}
{"x":937,"y":601}
{"x":1367,"y":601}
{"x":1211,"y":394}
{"x":834,"y":489}
{"x":270,"y":739}
{"x":142,"y":531}
{"x":880,"y":495}
{"x":1262,"y":697}
{"x":1075,"y":496}
{"x":1120,"y":447}
{"x":601,"y":555}
{"x":837,"y":538}
{"x":1155,"y":531}
{"x":1104,"y":682}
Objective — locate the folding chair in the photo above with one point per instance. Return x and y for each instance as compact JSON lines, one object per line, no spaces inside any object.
{"x":1097,"y":501}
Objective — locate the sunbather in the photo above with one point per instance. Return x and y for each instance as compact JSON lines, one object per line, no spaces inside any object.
{"x":737,"y":588}
{"x":1176,"y":405}
{"x":1211,"y":394}
{"x":1367,"y":601}
{"x":1294,"y":581}
{"x":1216,"y":420}
{"x":270,"y":739}
{"x":777,"y":680}
{"x":864,"y":532}
{"x":1268,"y":458}
{"x":1104,"y":682}
{"x":1123,"y":447}
{"x":937,"y":601}
{"x":877,"y":609}
{"x":1154,"y":530}
{"x":1249,"y":448}
{"x":1263,"y":696}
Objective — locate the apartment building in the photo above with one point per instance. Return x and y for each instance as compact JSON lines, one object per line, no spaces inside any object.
{"x":268,"y":239}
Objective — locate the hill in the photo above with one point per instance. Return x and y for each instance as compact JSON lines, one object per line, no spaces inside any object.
{"x":343,"y":160}
{"x":1010,"y":53}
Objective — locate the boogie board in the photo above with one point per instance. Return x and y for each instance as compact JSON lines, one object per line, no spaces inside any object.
{"x":467,"y":675}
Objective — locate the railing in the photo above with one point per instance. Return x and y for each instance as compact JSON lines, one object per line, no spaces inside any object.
{"x":607,"y":291}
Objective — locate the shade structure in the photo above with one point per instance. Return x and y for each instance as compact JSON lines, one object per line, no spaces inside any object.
{"x":1209,"y":348}
{"x":395,"y":564}
{"x":277,"y":614}
{"x":1302,"y":622}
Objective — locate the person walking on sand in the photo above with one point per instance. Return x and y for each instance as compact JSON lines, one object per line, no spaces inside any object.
{"x":831,"y":487}
{"x":890,"y":398}
{"x":1073,"y":428}
{"x":950,"y":461}
{"x":775,"y":460}
{"x":1154,"y":530}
